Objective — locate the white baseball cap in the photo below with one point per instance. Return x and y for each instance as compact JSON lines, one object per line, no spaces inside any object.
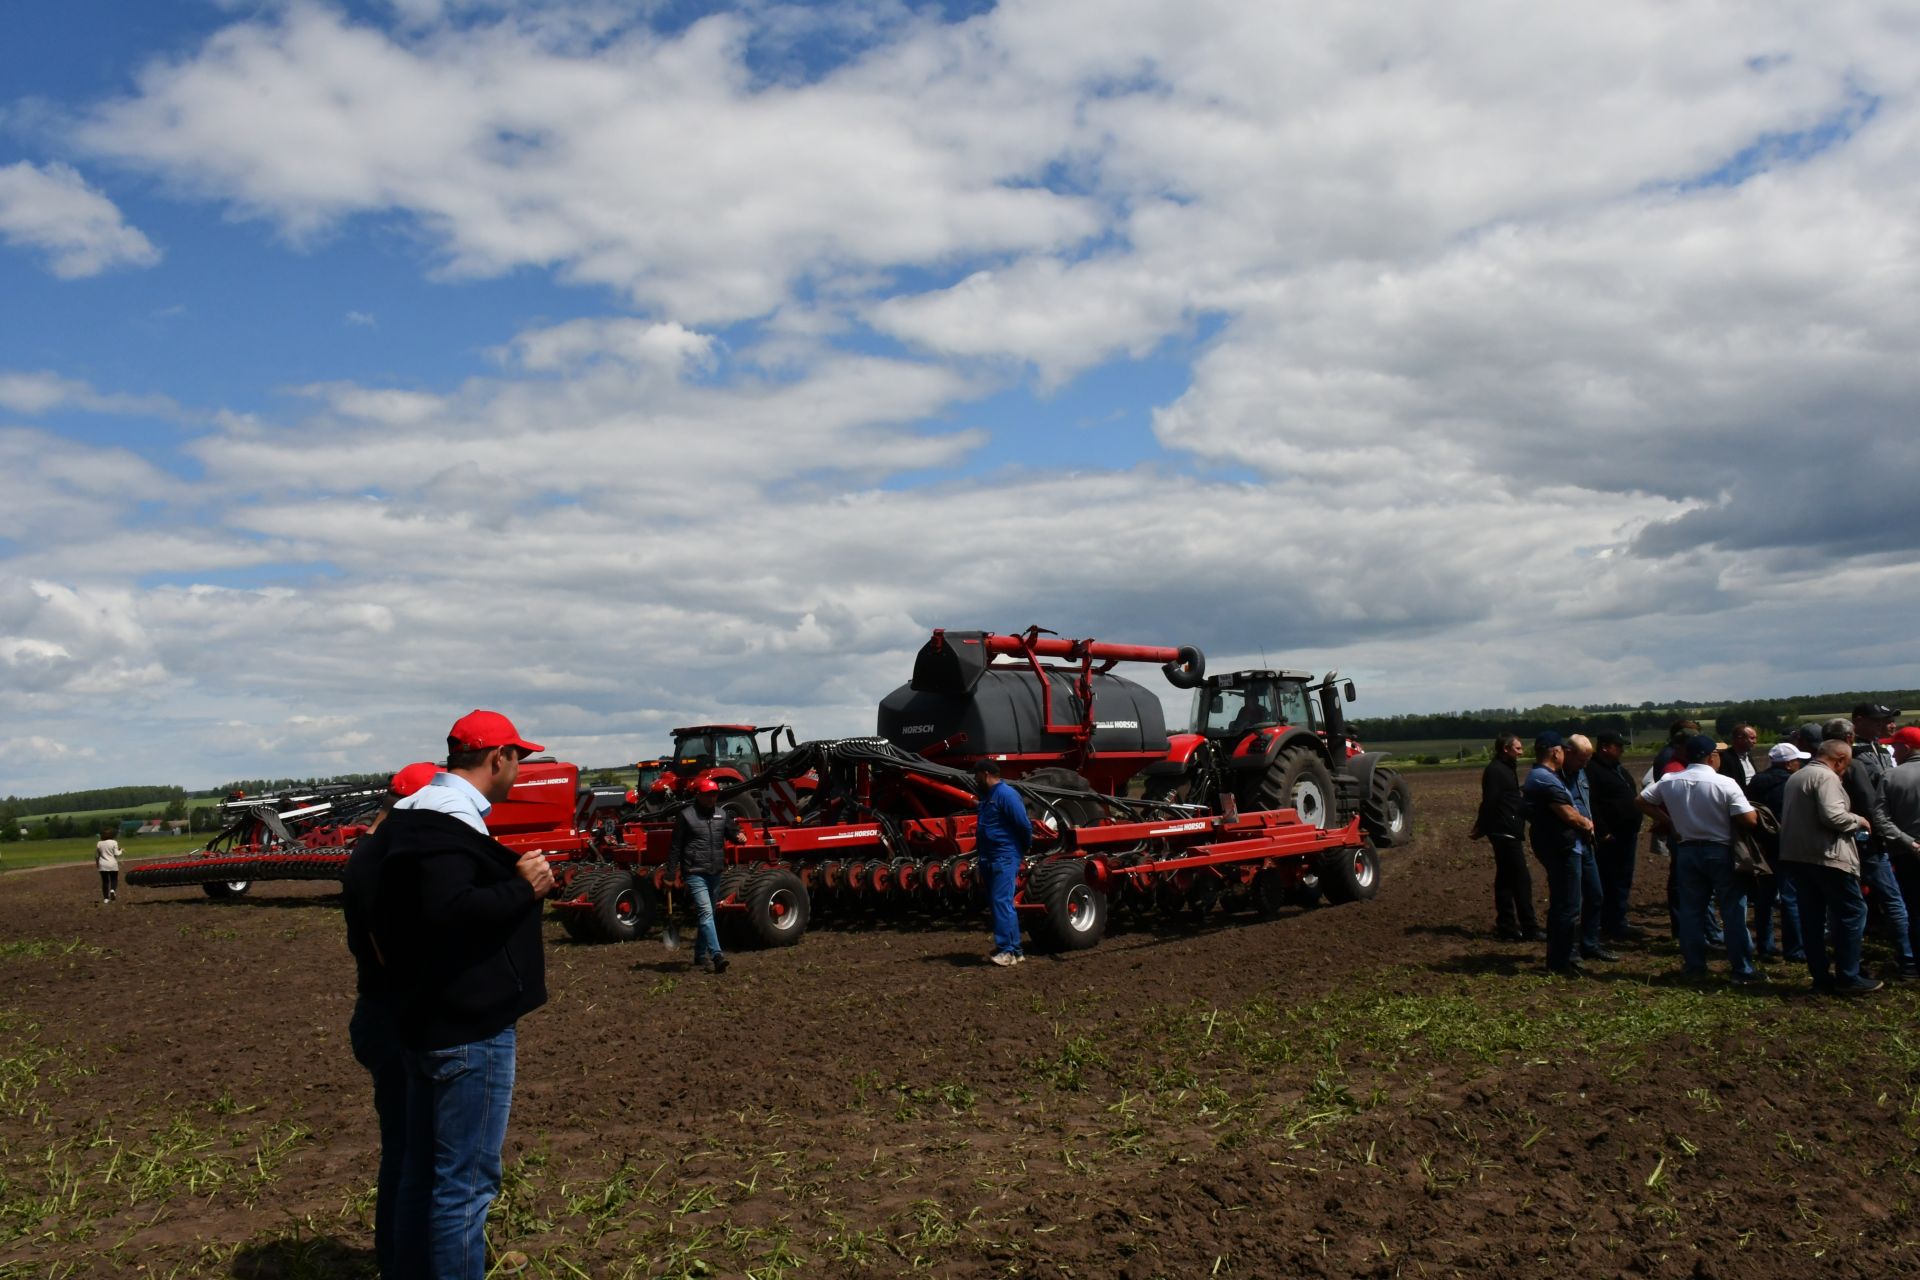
{"x":1781,"y":752}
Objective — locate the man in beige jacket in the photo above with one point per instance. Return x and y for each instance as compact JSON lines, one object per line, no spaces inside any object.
{"x":1818,"y":849}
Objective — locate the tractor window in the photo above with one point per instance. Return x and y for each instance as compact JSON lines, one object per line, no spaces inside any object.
{"x":737,"y":750}
{"x":1290,"y":701}
{"x":694,"y":747}
{"x":1218,"y":711}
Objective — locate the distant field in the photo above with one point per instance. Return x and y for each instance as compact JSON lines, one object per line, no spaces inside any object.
{"x":153,"y":810}
{"x":45,"y":853}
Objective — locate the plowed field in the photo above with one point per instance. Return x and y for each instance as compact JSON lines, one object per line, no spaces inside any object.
{"x":1378,"y":1089}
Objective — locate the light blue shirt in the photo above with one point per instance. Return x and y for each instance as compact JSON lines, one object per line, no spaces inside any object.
{"x":453,"y":795}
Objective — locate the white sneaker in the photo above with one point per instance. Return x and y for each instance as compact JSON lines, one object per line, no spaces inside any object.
{"x":1020,"y":958}
{"x":1002,"y":959}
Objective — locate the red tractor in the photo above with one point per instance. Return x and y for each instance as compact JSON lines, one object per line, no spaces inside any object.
{"x":726,"y":753}
{"x":1278,"y":740}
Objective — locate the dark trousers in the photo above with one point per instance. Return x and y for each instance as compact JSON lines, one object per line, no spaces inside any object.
{"x":1512,"y":887}
{"x":1830,"y":897}
{"x":374,"y":1033}
{"x":1566,"y":873}
{"x":1617,"y":856}
{"x":109,"y":883}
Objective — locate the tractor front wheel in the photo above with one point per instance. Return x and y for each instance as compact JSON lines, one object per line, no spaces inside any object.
{"x":1076,"y":911}
{"x":777,"y":907}
{"x":1298,"y":780}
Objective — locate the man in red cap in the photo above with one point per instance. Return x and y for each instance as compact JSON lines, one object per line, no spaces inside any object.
{"x":457,"y":925}
{"x":701,"y":833}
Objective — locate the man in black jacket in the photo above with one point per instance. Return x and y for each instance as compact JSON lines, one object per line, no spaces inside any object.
{"x":701,"y":833}
{"x":456,"y":920}
{"x":1502,"y":822}
{"x":374,"y":1030}
{"x":1616,"y":821}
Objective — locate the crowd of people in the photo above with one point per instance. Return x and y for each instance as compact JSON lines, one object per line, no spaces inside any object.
{"x":1829,"y":826}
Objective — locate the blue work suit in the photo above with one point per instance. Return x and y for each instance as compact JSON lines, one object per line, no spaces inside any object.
{"x":1002,"y":835}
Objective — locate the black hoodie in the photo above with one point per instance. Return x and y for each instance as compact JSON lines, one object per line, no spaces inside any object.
{"x":458,"y":927}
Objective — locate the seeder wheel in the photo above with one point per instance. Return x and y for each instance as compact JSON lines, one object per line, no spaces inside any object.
{"x":1350,"y":875}
{"x":1076,"y":911}
{"x":777,"y":907}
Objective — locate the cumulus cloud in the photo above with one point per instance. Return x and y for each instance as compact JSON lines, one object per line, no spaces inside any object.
{"x":52,"y":209}
{"x":1540,"y":355}
{"x":40,"y":392}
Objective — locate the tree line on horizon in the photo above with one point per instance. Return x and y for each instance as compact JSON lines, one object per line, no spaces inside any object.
{"x":1647,"y":721}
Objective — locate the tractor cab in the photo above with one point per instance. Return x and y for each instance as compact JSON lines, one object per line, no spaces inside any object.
{"x":715,"y":746}
{"x":1225,"y":707}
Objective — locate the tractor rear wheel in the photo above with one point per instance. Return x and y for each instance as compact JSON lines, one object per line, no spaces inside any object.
{"x":777,"y":907}
{"x":1076,"y":911}
{"x":1075,"y":812}
{"x":744,"y":805}
{"x":623,"y":907}
{"x":227,"y":890}
{"x":1350,"y":875}
{"x":1388,"y":815}
{"x":1298,"y":780}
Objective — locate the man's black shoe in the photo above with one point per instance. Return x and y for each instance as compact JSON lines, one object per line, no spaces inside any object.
{"x":1627,"y":933}
{"x":1599,"y":953}
{"x":1510,"y":935}
{"x":720,"y":964}
{"x":1754,"y":979}
{"x":1534,"y":935}
{"x":1566,"y":971}
{"x":1859,"y":988}
{"x":1905,"y":972}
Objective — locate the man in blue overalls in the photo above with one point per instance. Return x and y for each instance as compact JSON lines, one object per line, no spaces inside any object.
{"x":1002,"y":834}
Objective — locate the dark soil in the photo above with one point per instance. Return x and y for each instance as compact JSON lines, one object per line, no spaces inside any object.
{"x":1379,"y":1089}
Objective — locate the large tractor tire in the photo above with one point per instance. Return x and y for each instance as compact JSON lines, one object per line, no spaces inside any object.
{"x":1350,"y":875}
{"x":745,"y":805}
{"x":1076,"y":911}
{"x":227,"y":890}
{"x":1298,"y":780}
{"x":1075,"y":812}
{"x":1387,"y":815}
{"x":777,"y":907}
{"x":729,"y":926}
{"x":623,"y":907}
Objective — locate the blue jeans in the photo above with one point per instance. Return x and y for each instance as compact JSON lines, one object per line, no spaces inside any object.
{"x":1617,"y":856}
{"x":1566,"y":876}
{"x":1000,"y":871}
{"x":1767,"y":890}
{"x":1703,"y":873}
{"x":1876,"y":872}
{"x":702,"y":885}
{"x":457,"y":1104}
{"x":1830,"y":896}
{"x":374,"y":1033}
{"x":1906,"y":869}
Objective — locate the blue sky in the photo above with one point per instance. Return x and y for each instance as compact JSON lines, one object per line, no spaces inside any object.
{"x":366,"y":363}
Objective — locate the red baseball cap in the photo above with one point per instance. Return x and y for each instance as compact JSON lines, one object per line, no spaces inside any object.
{"x":485,"y":730}
{"x":1908,"y":737}
{"x":704,"y":786}
{"x":412,"y":778}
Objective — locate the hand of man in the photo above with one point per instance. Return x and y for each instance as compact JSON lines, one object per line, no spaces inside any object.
{"x":534,"y":870}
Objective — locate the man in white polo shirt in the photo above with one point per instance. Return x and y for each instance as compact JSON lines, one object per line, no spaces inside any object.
{"x":1701,"y":805}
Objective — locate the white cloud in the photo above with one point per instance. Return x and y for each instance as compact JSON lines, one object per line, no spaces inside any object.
{"x":54,"y":211}
{"x":34,"y":394}
{"x":1539,"y":362}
